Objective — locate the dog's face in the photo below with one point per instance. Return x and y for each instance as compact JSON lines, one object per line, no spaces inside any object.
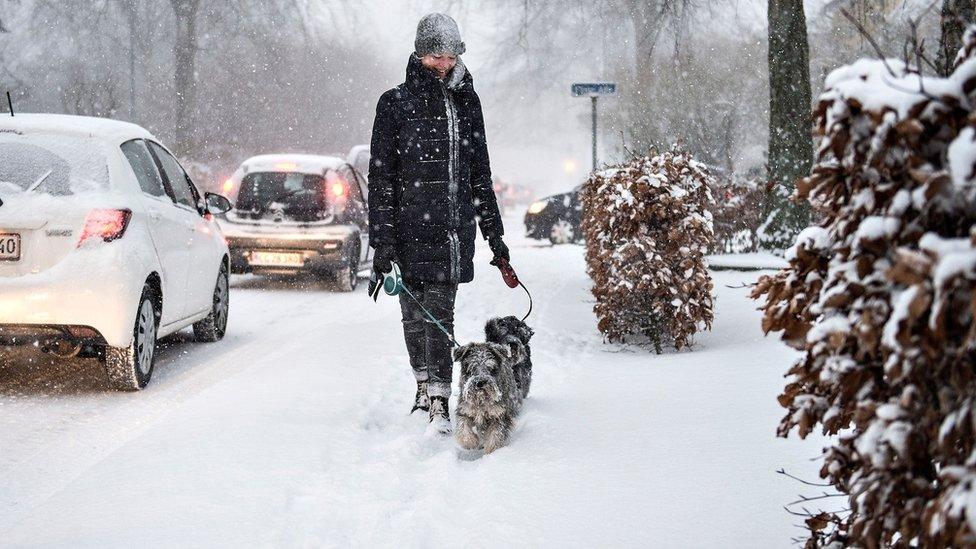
{"x":498,"y":329}
{"x":480,"y":367}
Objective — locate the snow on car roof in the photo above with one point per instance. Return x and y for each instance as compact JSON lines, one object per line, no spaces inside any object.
{"x":89,"y":126}
{"x":305,"y":163}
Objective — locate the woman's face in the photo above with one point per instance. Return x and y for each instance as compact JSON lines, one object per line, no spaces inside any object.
{"x":439,"y":63}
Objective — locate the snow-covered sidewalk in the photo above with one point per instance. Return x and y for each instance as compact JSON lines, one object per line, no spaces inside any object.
{"x":293,"y":432}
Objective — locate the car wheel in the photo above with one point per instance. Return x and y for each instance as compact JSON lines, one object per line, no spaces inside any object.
{"x":130,"y":368}
{"x":347,"y":278}
{"x":214,"y":326}
{"x":562,"y":232}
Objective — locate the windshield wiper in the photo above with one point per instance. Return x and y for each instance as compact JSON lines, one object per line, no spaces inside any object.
{"x":39,"y":181}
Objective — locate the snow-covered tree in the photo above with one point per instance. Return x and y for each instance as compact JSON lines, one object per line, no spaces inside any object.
{"x":880,"y":298}
{"x":647,"y":229}
{"x":737,"y":213}
{"x":219,"y":81}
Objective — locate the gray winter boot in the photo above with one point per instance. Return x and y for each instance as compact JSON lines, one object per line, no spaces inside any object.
{"x":440,"y":417}
{"x":421,"y":401}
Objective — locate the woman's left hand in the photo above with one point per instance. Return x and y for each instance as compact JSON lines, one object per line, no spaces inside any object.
{"x":499,"y":249}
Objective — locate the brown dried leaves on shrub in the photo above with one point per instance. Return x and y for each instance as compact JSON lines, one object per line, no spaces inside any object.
{"x":737,"y":213}
{"x":647,"y":229}
{"x":880,"y":298}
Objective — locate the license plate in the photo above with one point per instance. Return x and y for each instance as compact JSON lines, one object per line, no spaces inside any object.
{"x":9,"y":247}
{"x":276,"y":259}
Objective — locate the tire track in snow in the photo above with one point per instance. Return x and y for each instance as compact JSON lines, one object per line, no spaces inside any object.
{"x":93,"y":431}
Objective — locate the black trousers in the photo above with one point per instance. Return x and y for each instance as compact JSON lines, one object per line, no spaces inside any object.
{"x":430,"y":348}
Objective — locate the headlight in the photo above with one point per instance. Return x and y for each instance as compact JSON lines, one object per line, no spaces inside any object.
{"x":537,"y":207}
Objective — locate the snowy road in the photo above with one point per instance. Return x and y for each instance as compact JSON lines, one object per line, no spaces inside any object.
{"x":293,"y":432}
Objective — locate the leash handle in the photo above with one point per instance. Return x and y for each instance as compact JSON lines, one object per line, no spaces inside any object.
{"x":508,"y":273}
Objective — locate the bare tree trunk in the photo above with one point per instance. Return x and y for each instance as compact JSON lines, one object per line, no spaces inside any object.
{"x":790,"y":139}
{"x":646,"y":30}
{"x":129,"y":9}
{"x":956,"y":15}
{"x":184,"y":54}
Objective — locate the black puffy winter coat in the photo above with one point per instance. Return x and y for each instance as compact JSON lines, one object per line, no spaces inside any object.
{"x":429,"y":175}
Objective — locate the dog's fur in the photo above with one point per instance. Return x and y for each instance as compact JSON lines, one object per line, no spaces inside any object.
{"x":495,"y":378}
{"x":490,"y":400}
{"x":515,"y":334}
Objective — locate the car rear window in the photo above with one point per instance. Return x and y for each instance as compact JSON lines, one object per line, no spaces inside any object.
{"x":52,"y":164}
{"x":283,"y":196}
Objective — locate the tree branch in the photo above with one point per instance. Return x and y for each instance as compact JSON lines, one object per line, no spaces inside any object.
{"x":870,"y":39}
{"x":798,"y":479}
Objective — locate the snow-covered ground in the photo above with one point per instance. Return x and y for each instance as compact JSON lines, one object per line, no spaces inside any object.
{"x":293,"y":431}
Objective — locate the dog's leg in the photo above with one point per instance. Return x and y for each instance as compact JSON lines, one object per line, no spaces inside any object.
{"x":464,"y":433}
{"x":496,"y":434}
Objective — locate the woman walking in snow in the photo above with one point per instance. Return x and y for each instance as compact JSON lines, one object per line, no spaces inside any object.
{"x":429,"y":183}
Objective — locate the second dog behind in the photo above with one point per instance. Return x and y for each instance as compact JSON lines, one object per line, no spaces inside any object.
{"x":515,"y":334}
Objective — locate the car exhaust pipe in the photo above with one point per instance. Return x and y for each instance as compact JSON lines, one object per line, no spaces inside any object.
{"x":61,"y":349}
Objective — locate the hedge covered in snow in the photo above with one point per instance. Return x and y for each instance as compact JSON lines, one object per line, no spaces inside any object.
{"x":737,"y":213}
{"x":880,"y":298}
{"x":647,"y":229}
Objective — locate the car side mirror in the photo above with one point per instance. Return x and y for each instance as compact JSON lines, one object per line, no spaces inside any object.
{"x":218,"y":204}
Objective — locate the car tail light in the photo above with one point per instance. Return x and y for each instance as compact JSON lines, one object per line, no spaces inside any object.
{"x":339,"y":189}
{"x":108,"y":225}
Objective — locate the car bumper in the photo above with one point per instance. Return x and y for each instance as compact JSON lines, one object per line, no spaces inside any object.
{"x":99,"y":290}
{"x":319,"y":251}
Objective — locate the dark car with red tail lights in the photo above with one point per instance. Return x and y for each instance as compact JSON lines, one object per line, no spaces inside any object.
{"x":298,"y":213}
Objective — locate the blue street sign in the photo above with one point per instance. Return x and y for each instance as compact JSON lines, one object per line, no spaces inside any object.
{"x":594,"y":89}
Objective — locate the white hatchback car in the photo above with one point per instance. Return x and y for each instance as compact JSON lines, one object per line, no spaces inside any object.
{"x":105,"y":244}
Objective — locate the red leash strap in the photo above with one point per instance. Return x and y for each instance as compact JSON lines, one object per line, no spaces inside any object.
{"x":508,"y":273}
{"x":512,"y":280}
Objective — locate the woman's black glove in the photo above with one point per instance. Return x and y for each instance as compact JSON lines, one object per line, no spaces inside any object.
{"x":499,"y":249}
{"x":383,"y":258}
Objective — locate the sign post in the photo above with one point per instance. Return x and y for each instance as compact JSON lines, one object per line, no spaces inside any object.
{"x":594,"y":90}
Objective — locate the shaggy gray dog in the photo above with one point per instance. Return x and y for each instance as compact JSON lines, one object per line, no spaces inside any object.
{"x":514,"y":333}
{"x":490,"y":397}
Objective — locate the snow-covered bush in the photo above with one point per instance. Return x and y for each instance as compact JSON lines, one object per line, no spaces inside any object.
{"x":647,"y":229}
{"x":737,"y":213}
{"x":880,"y":297}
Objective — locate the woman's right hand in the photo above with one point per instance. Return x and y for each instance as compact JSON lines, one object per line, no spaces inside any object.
{"x":383,"y":259}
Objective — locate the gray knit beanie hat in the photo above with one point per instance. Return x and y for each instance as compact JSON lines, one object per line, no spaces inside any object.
{"x":438,"y":33}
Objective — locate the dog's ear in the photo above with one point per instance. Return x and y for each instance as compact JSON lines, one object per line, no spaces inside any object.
{"x":492,"y":331}
{"x":503,"y":352}
{"x":459,"y":352}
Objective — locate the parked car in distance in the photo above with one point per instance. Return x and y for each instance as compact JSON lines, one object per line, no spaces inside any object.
{"x":298,"y":213}
{"x":105,"y":244}
{"x":555,"y":218}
